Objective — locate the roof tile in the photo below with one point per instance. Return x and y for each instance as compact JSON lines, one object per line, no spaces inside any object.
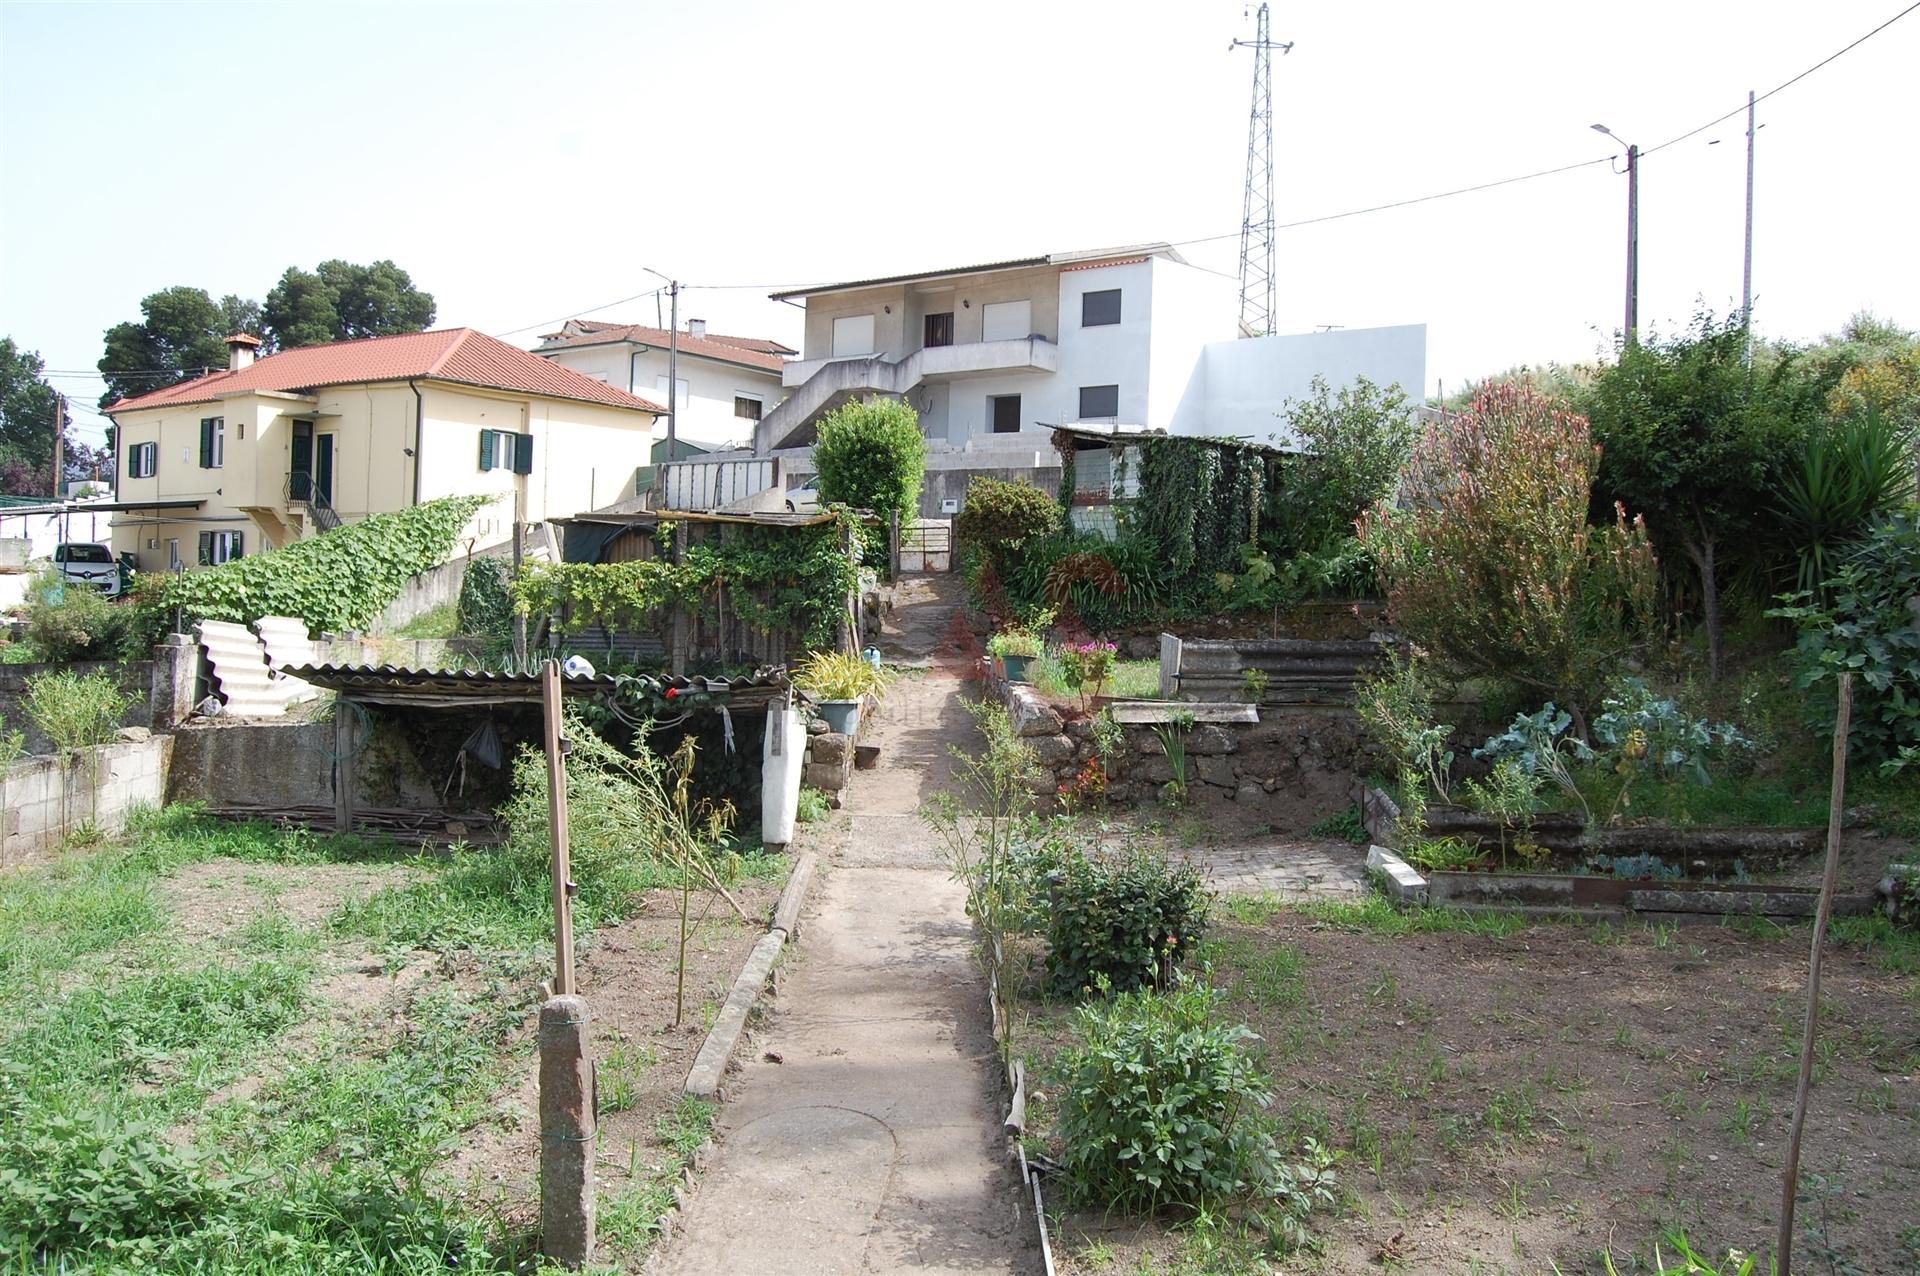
{"x":753,"y":352}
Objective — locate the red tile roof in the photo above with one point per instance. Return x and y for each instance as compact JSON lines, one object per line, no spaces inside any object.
{"x":458,"y":355}
{"x":752,"y":352}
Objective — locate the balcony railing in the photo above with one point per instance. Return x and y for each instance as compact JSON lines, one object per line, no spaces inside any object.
{"x":302,"y":490}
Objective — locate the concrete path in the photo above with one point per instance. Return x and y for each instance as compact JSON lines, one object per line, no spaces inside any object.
{"x":875,"y":1143}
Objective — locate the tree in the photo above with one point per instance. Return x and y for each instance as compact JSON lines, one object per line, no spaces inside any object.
{"x":26,"y":422}
{"x":181,"y":333}
{"x":872,"y":456}
{"x":342,"y":301}
{"x":1493,"y":568}
{"x":1355,"y":443}
{"x":1693,"y":438}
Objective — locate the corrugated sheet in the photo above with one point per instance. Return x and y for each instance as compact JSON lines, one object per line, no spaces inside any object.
{"x":287,"y":644}
{"x":240,"y":674}
{"x":392,"y":684}
{"x":1299,"y":671}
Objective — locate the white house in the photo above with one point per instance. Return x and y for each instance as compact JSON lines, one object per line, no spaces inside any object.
{"x":994,"y":356}
{"x":727,"y":384}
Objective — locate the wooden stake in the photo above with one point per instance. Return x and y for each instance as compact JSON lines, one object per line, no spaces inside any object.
{"x":343,"y":794}
{"x":1790,"y":1175}
{"x":557,"y":830}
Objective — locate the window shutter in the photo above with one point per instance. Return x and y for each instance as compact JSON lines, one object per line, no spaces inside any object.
{"x":522,"y":453}
{"x":206,"y":442}
{"x":486,"y":449}
{"x":206,"y":549}
{"x":234,"y":550}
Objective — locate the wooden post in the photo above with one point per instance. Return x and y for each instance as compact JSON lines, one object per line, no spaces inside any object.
{"x":1836,"y":804}
{"x":342,"y":765}
{"x":557,"y":830}
{"x":893,"y":545}
{"x":519,"y":533}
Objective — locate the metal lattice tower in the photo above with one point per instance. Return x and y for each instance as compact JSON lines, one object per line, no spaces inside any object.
{"x":1256,"y":216}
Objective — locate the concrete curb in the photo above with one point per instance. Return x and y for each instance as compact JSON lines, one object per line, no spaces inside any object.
{"x":710,"y":1065}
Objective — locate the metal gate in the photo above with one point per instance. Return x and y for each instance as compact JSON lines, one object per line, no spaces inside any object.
{"x":926,"y":545}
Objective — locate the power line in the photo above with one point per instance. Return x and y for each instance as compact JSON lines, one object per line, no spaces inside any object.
{"x":574,"y":314}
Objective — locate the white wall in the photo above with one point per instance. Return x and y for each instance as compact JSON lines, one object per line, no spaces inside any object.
{"x":1192,"y":308}
{"x":44,"y":531}
{"x":707,"y":414}
{"x":1248,"y":381}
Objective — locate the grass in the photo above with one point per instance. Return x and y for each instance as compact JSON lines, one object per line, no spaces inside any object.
{"x":175,"y":1106}
{"x":19,"y":653}
{"x":442,"y":622}
{"x":1131,"y":680}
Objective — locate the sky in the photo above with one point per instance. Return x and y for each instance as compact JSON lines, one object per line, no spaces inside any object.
{"x":527,"y":162}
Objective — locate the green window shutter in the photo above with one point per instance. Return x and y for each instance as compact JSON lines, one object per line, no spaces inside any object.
{"x":486,"y":448}
{"x":522,"y":453}
{"x":206,"y":442}
{"x":239,"y":540}
{"x":206,"y":549}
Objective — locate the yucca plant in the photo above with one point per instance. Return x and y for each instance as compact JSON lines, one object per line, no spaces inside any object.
{"x":1847,"y":474}
{"x":838,"y":675}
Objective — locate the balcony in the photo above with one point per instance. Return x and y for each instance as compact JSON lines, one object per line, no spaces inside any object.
{"x":820,"y":385}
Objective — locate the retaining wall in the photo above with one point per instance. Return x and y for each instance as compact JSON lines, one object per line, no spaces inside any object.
{"x":133,"y":676}
{"x":46,"y":798}
{"x":1293,"y":671}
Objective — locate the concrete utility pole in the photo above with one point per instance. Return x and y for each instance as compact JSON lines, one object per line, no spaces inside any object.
{"x":59,"y":441}
{"x":1746,"y":266}
{"x":1633,"y":232}
{"x":673,"y":369}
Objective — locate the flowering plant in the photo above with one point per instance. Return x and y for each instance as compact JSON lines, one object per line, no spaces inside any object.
{"x":1086,"y":788}
{"x":1086,"y":666}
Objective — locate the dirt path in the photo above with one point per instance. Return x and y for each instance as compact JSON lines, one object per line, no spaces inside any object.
{"x":873,"y":1144}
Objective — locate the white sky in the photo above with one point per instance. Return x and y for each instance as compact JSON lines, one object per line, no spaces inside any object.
{"x":526,"y":161}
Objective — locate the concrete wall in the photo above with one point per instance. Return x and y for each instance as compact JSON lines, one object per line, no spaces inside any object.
{"x":290,"y":764}
{"x":1192,"y":308}
{"x":47,"y":798}
{"x":899,"y":311}
{"x":39,"y":533}
{"x":706,"y":414}
{"x":1248,"y":381}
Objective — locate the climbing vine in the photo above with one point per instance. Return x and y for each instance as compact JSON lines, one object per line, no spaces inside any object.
{"x":1063,"y":444}
{"x":1176,"y":483}
{"x":775,"y":578}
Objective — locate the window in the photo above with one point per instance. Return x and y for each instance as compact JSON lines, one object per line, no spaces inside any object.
{"x":174,"y":562}
{"x":219,"y":547}
{"x":1098,"y":401}
{"x":505,"y":450}
{"x":213,"y":442}
{"x":746,"y":407}
{"x":1006,"y":413}
{"x":81,"y":554}
{"x":681,"y":397}
{"x":1099,"y":308}
{"x":143,"y":460}
{"x":852,"y":336}
{"x":939,"y":330}
{"x":1006,"y":320}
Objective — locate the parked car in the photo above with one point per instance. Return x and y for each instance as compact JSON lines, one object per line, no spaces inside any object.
{"x":79,"y":563}
{"x":804,"y":499}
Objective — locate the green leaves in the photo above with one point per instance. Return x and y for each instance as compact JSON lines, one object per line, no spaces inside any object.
{"x":872,"y":456}
{"x":1123,"y":922}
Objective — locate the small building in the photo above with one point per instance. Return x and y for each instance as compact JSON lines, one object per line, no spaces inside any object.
{"x":272,"y":450}
{"x":726,"y":384}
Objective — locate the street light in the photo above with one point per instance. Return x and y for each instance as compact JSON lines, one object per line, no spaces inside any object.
{"x":1633,"y":229}
{"x":673,"y":360}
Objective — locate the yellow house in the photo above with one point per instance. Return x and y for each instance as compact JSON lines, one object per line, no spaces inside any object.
{"x":271,"y":450}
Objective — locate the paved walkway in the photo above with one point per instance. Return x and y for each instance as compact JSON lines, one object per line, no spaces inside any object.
{"x":874,"y":1144}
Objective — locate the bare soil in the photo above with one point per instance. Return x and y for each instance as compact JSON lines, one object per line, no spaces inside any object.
{"x":212,"y":899}
{"x":1502,"y":1104}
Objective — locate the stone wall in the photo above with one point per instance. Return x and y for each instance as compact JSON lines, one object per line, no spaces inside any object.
{"x":46,"y":798}
{"x":830,"y":755}
{"x":1290,"y":766}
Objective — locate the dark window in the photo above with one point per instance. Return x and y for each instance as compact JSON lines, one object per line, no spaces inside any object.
{"x":142,"y":460}
{"x":1097,"y":401}
{"x":86,"y":554}
{"x":505,"y":450}
{"x":1006,"y":413}
{"x":213,"y":442}
{"x":219,"y":547}
{"x":1098,"y":308}
{"x":940,"y":329}
{"x":746,"y":408}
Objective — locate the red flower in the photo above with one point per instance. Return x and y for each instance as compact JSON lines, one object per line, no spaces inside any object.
{"x":672,"y":692}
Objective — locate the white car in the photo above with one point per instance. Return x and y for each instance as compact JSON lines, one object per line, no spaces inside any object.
{"x":804,"y":499}
{"x":79,"y":563}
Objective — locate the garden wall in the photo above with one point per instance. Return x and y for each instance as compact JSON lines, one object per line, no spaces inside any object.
{"x":133,"y":676}
{"x":1290,"y":766}
{"x":284,"y":765}
{"x":46,"y":798}
{"x":1291,"y":671}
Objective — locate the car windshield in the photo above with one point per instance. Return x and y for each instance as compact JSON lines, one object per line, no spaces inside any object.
{"x":88,"y":554}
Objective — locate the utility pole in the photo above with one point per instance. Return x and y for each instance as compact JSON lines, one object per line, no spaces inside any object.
{"x":1633,"y":243}
{"x":59,"y":441}
{"x":673,"y":369}
{"x":1257,"y":289}
{"x":1746,"y":265}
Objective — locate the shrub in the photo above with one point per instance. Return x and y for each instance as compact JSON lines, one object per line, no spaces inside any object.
{"x":1160,"y":1104}
{"x":486,"y":609}
{"x":838,"y":675}
{"x":999,"y":516}
{"x":72,"y":622}
{"x":1354,"y":444}
{"x":1869,"y":629}
{"x":76,"y":711}
{"x":1847,"y":476}
{"x":872,"y":456}
{"x":1494,"y":568}
{"x":340,"y":580}
{"x":1122,"y":923}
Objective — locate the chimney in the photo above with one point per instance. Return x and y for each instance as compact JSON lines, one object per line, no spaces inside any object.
{"x":696,"y":327}
{"x":240,"y":348}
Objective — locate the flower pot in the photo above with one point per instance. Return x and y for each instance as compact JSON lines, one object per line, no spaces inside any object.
{"x":842,"y":716}
{"x":1016,"y":667}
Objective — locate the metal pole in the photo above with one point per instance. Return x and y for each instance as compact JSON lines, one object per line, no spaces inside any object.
{"x":1633,"y":242}
{"x":59,"y":442}
{"x":673,"y":370}
{"x":1746,"y":267}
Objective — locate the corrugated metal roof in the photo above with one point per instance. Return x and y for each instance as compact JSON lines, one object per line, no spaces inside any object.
{"x":397,"y":684}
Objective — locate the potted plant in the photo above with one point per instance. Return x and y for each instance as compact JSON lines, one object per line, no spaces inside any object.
{"x":1086,"y":666}
{"x":1019,"y":644}
{"x":838,"y":682}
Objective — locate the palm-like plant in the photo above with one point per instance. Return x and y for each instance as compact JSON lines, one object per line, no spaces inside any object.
{"x":1848,"y":474}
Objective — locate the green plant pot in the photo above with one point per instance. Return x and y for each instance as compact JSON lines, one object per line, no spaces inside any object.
{"x":1016,"y":667}
{"x":842,"y":716}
